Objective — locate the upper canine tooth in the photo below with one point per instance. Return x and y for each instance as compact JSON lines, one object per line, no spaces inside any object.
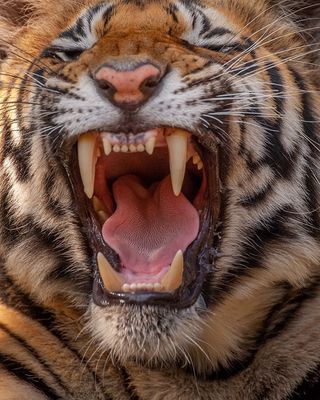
{"x":112,"y":280}
{"x":173,"y":278}
{"x":150,"y":145}
{"x":87,"y":158}
{"x":178,"y":147}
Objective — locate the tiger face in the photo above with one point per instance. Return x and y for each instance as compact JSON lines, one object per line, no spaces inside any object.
{"x":159,"y":172}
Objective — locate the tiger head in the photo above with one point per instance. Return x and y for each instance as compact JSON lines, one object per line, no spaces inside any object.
{"x":160,"y":164}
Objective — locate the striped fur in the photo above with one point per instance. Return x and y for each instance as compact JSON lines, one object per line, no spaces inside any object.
{"x":243,"y":76}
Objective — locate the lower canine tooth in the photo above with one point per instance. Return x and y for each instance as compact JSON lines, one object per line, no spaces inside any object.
{"x":178,"y":147}
{"x":173,"y":278}
{"x":112,"y":280}
{"x":87,"y":158}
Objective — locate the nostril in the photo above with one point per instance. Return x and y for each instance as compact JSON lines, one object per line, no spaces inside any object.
{"x":150,"y":84}
{"x":105,"y":85}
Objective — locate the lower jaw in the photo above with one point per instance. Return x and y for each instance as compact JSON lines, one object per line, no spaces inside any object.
{"x":198,"y":257}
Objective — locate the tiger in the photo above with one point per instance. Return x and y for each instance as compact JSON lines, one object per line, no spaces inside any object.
{"x":159,"y":200}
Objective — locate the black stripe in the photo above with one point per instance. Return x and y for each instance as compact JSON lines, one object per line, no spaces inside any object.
{"x":247,"y":68}
{"x":312,"y":200}
{"x":35,"y":354}
{"x":53,"y":204}
{"x":256,"y":198}
{"x":10,"y":225}
{"x":172,"y":9}
{"x":107,"y":16}
{"x":278,"y":319}
{"x":13,"y":296}
{"x":310,"y":127}
{"x":282,"y":162}
{"x":70,"y":34}
{"x":23,"y":373}
{"x":309,"y":388}
{"x":253,"y":251}
{"x":286,"y":311}
{"x":206,"y":25}
{"x":128,"y":384}
{"x":65,"y":269}
{"x":219,"y":31}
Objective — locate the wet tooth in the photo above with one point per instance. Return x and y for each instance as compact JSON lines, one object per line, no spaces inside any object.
{"x":177,"y":145}
{"x":158,"y":287}
{"x":112,"y":280}
{"x":149,"y":286}
{"x":126,"y":287}
{"x":195,"y":158}
{"x":132,"y":148}
{"x":200,"y":165}
{"x":103,"y":216}
{"x":87,"y":158}
{"x":97,"y":204}
{"x":106,"y":146}
{"x":133,"y":287}
{"x":140,"y":147}
{"x":116,"y":148}
{"x":173,"y":278}
{"x":150,"y":145}
{"x":124,"y":148}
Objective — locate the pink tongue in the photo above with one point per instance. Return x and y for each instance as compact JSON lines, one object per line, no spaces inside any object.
{"x":149,"y":225}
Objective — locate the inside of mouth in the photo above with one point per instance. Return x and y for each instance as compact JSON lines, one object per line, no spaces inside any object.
{"x":140,"y":216}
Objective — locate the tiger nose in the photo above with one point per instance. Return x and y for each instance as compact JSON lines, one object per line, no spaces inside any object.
{"x":128,"y":89}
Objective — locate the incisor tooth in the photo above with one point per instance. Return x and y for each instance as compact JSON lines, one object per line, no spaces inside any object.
{"x":178,"y":146}
{"x":150,"y":145}
{"x":87,"y":158}
{"x":111,"y":279}
{"x":173,"y":278}
{"x":106,"y":146}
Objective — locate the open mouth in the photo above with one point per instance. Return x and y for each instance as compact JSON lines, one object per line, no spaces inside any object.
{"x":148,"y":203}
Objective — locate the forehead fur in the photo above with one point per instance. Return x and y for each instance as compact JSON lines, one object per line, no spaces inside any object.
{"x":35,"y":23}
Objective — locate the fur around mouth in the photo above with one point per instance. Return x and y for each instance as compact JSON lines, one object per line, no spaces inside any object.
{"x":145,"y":201}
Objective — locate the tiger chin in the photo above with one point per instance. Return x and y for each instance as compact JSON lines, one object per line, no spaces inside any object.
{"x":160,"y":197}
